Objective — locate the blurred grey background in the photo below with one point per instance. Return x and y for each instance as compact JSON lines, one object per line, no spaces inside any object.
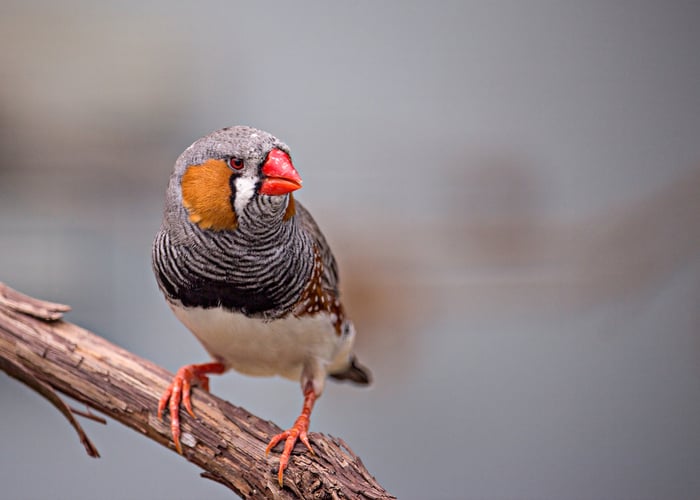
{"x":512,"y":190}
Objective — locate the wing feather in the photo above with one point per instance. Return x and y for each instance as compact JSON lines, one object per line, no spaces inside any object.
{"x":330,"y":267}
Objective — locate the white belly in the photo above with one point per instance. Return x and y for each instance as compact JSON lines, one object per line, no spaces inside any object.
{"x":263,"y":348}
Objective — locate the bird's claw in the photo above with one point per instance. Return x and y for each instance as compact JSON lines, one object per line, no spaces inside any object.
{"x":299,"y":431}
{"x":179,"y":391}
{"x":290,"y":437}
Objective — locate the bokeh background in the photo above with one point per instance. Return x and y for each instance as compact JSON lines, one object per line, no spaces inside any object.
{"x":512,"y":190}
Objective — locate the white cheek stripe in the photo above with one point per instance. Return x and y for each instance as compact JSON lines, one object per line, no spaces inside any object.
{"x":245,"y":189}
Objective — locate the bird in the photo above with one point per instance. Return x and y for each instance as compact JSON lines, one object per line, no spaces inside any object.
{"x":246,"y":269}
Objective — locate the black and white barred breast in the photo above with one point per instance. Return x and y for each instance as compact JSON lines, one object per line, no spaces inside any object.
{"x":254,"y":271}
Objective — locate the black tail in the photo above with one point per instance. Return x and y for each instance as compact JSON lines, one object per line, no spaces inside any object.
{"x":354,"y":373}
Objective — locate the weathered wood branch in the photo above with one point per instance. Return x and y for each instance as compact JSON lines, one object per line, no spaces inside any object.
{"x":50,"y":354}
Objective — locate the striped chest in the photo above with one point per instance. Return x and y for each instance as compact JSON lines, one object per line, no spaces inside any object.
{"x":262,"y":279}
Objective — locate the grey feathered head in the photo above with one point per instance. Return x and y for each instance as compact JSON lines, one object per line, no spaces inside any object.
{"x":216,"y":178}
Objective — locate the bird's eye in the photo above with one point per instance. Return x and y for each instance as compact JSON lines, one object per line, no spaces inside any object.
{"x":236,"y":163}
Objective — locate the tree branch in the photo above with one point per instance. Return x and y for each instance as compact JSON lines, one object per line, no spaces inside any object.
{"x":49,"y":354}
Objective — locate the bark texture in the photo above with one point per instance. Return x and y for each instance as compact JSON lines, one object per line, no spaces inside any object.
{"x":52,"y":355}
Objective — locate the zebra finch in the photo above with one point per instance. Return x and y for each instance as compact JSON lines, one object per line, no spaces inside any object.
{"x":246,"y":269}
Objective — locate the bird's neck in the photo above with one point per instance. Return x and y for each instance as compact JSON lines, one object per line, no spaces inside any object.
{"x":268,"y":217}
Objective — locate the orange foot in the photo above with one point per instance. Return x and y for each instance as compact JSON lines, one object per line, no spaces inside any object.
{"x":179,"y":390}
{"x":298,"y":431}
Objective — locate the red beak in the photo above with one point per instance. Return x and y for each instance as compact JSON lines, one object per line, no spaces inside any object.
{"x":280,"y":176}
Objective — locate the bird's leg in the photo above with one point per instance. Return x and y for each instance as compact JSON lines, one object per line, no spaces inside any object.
{"x":297,"y":431}
{"x":179,"y":391}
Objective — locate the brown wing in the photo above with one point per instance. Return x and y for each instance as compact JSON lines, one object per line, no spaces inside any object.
{"x":329,"y":278}
{"x":328,"y":289}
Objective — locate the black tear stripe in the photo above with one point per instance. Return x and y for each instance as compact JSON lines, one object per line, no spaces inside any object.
{"x":232,"y":199}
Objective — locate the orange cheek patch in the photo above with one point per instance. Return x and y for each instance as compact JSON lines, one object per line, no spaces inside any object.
{"x":291,"y":209}
{"x":206,"y":194}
